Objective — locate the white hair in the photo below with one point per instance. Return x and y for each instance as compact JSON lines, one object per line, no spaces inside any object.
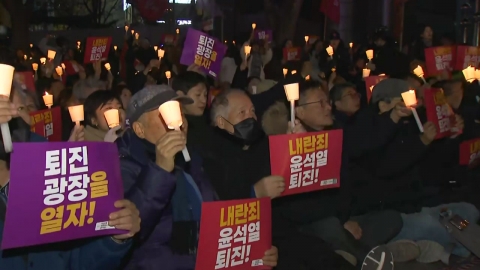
{"x":220,"y":105}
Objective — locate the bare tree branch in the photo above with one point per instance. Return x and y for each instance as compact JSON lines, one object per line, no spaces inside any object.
{"x":107,"y":15}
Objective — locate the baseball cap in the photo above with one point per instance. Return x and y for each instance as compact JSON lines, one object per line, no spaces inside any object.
{"x":150,"y":98}
{"x":389,"y":88}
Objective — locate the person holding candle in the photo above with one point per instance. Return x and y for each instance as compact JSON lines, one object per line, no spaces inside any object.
{"x":257,"y":59}
{"x":403,"y":188}
{"x":96,"y":126}
{"x":157,"y":179}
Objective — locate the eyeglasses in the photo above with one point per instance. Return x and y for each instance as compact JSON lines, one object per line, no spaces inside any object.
{"x":322,"y":103}
{"x":352,"y":95}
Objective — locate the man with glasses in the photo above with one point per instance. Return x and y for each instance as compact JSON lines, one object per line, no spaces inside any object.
{"x":345,"y":100}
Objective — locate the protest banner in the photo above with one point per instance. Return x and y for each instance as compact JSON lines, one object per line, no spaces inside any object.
{"x":25,"y":80}
{"x":292,"y":54}
{"x":308,"y":161}
{"x":440,"y":113}
{"x":203,"y":50}
{"x":234,"y":234}
{"x":266,"y":35}
{"x":467,"y":56}
{"x":470,"y":153}
{"x":96,"y":49}
{"x":439,"y":60}
{"x":370,"y":83}
{"x":67,"y":192}
{"x":47,"y":123}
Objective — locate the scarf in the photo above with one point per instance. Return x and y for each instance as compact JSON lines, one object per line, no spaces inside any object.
{"x":186,"y":207}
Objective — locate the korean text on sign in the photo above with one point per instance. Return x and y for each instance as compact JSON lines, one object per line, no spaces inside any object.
{"x":309,"y":161}
{"x":443,"y":58}
{"x":205,"y":53}
{"x":240,"y":227}
{"x":46,"y":117}
{"x":234,"y":234}
{"x":470,"y":153}
{"x":443,"y":111}
{"x":67,"y":178}
{"x":98,"y":48}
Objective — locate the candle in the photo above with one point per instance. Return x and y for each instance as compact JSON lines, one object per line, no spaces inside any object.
{"x":477,"y":74}
{"x":365,"y":72}
{"x":330,"y":50}
{"x":294,"y":72}
{"x":285,"y":71}
{"x":59,"y":70}
{"x":107,"y":66}
{"x":306,"y":38}
{"x":247,"y":50}
{"x":351,"y":45}
{"x":35,"y":66}
{"x":76,"y":113}
{"x":113,"y":118}
{"x":63,"y":66}
{"x":132,"y":31}
{"x":51,"y":54}
{"x":234,"y":42}
{"x":155,"y":48}
{"x":48,"y":100}
{"x":168,"y":74}
{"x":369,"y":54}
{"x":381,"y":75}
{"x":177,"y":31}
{"x":43,"y":60}
{"x":6,"y":79}
{"x":137,"y":35}
{"x":418,"y":71}
{"x":115,"y":47}
{"x":307,"y":78}
{"x":292,"y":93}
{"x":31,"y":45}
{"x":25,"y":57}
{"x":172,"y":116}
{"x":79,"y":43}
{"x":410,"y":100}
{"x":254,"y":25}
{"x":126,"y":28}
{"x":161,"y":53}
{"x":469,"y":73}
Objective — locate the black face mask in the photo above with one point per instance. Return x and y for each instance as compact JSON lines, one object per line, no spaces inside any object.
{"x":247,"y":130}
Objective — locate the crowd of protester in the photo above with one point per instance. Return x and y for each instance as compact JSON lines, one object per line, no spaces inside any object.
{"x":395,"y":181}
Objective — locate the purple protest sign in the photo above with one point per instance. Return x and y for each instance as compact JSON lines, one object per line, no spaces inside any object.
{"x":203,"y":50}
{"x":264,"y":35}
{"x":67,"y":192}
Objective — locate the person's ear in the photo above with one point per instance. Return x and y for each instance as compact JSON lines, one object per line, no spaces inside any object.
{"x":220,"y":122}
{"x":138,"y":129}
{"x":94,"y":121}
{"x":180,"y":93}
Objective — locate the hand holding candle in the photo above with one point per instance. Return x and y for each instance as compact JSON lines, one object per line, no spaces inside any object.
{"x":292,"y":93}
{"x":113,"y":118}
{"x":365,"y":72}
{"x":306,"y":39}
{"x":35,"y":66}
{"x":76,"y":113}
{"x":172,"y":117}
{"x":6,"y":79}
{"x":168,"y":74}
{"x":108,"y":67}
{"x":43,"y":60}
{"x":350,"y":45}
{"x":285,"y":71}
{"x":59,"y":71}
{"x":254,"y":25}
{"x":48,"y":100}
{"x":410,"y":100}
{"x":115,"y":47}
{"x":247,"y":50}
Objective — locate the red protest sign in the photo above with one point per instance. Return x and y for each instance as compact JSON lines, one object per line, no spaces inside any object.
{"x":440,"y":113}
{"x":97,"y":48}
{"x":292,"y":54}
{"x":370,"y":83}
{"x":467,"y":56}
{"x":470,"y":153}
{"x":47,"y":123}
{"x":25,"y":79}
{"x":308,"y":161}
{"x":234,"y":234}
{"x":439,"y":59}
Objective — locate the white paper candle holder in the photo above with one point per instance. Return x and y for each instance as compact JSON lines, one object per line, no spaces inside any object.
{"x":6,"y":79}
{"x":410,"y":100}
{"x":51,"y":54}
{"x":48,"y":100}
{"x":113,"y":118}
{"x":172,"y":116}
{"x":292,"y":93}
{"x":76,"y":113}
